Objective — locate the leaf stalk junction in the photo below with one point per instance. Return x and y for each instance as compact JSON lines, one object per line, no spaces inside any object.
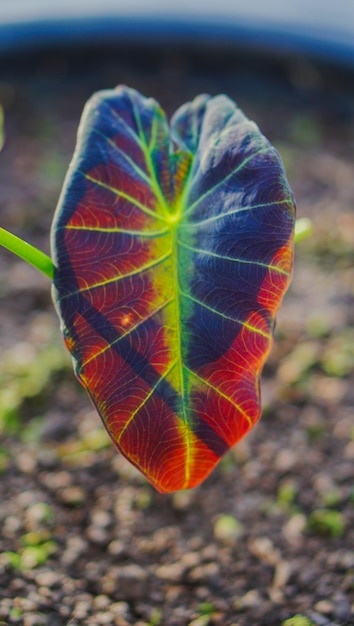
{"x":44,"y":263}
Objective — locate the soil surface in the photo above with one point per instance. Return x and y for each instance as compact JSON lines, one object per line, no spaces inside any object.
{"x":84,"y":539}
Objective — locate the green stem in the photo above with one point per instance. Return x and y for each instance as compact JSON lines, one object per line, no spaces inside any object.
{"x":25,"y":251}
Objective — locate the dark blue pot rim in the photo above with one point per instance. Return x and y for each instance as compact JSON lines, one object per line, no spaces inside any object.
{"x":328,"y":45}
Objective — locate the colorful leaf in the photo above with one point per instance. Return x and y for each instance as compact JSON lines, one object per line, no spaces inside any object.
{"x":173,"y":249}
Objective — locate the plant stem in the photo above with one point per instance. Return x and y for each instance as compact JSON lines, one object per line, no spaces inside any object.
{"x":27,"y":252}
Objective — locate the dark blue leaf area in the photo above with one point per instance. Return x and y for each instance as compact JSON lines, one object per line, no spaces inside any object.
{"x":227,"y":275}
{"x":186,"y":124}
{"x":250,"y":236}
{"x":230,"y":264}
{"x":239,"y":214}
{"x":225,"y":189}
{"x":127,"y":114}
{"x":210,"y":337}
{"x":227,"y":302}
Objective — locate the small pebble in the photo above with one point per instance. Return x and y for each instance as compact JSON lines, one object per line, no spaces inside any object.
{"x":172,"y":572}
{"x":251,"y":599}
{"x":26,"y":462}
{"x":101,"y":519}
{"x":120,"y":609}
{"x":104,"y":617}
{"x":294,"y":528}
{"x":349,"y":450}
{"x":285,"y":460}
{"x":48,"y":578}
{"x":263,"y":548}
{"x":35,"y":619}
{"x":324,"y":606}
{"x":116,"y":547}
{"x":203,"y":620}
{"x":210,"y":552}
{"x":190,"y":559}
{"x":72,"y":495}
{"x":56,"y":480}
{"x":101,"y":602}
{"x":97,"y":535}
{"x":281,"y":575}
{"x":204,"y":572}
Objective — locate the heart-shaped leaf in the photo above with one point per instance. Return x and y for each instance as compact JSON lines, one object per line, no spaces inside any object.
{"x":173,"y":249}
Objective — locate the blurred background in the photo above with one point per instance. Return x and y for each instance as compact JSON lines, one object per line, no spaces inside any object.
{"x":83,"y":538}
{"x":317,"y":26}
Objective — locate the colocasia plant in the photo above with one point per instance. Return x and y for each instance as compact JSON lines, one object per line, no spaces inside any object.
{"x":172,"y":248}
